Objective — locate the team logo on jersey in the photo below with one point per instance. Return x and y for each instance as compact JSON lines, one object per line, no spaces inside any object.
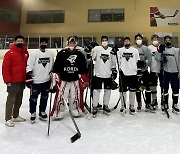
{"x":141,"y":54}
{"x":127,"y":56}
{"x":44,"y":61}
{"x":104,"y":57}
{"x":72,"y":59}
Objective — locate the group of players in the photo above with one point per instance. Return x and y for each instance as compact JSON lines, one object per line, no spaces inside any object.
{"x":95,"y":67}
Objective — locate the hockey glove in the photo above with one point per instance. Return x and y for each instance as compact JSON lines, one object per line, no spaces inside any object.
{"x":139,"y":73}
{"x":29,"y":79}
{"x":114,"y":50}
{"x":164,"y":59}
{"x":114,"y":85}
{"x":141,"y":64}
{"x":114,"y":73}
{"x":52,"y":90}
{"x":83,"y":81}
{"x":161,"y":48}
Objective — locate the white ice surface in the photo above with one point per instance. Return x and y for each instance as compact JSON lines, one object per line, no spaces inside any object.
{"x":143,"y":133}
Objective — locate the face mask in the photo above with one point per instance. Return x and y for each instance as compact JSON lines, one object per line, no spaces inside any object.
{"x":155,"y":43}
{"x":127,"y":45}
{"x":43,"y":46}
{"x":105,"y":43}
{"x":139,"y":42}
{"x":71,"y":48}
{"x":19,"y":45}
{"x":168,"y":44}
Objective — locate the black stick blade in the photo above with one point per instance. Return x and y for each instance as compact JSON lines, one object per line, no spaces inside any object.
{"x":167,"y":113}
{"x":75,"y":137}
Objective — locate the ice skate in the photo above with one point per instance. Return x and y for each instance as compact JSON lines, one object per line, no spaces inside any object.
{"x":33,"y":117}
{"x":175,"y":109}
{"x":149,"y":108}
{"x":106,"y":110}
{"x":43,"y":116}
{"x":94,"y":111}
{"x":131,"y":109}
{"x":139,"y":106}
{"x":99,"y":106}
{"x":122,"y":111}
{"x":154,"y":104}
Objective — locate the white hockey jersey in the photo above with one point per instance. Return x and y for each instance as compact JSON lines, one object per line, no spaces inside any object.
{"x":40,"y":63}
{"x":104,"y":61}
{"x":128,"y":59}
{"x":155,"y":65}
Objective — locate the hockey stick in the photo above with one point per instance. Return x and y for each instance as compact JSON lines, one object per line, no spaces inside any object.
{"x":90,"y":81}
{"x":120,"y":79}
{"x":56,"y":47}
{"x":115,"y":107}
{"x":49,"y":119}
{"x":163,"y":98}
{"x":78,"y":134}
{"x":85,"y":103}
{"x":171,"y":16}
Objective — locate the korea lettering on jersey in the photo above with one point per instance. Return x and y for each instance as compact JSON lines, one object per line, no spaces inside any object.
{"x":72,"y":68}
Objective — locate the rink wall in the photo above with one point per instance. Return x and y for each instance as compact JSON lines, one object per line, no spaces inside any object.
{"x":3,"y":51}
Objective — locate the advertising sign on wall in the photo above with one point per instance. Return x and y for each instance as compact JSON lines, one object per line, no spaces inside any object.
{"x":164,"y":16}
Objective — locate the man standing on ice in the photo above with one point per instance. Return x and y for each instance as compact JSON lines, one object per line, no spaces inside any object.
{"x":170,"y":73}
{"x":105,"y":70}
{"x":38,"y":70}
{"x":14,"y":75}
{"x":71,"y":69}
{"x":145,"y":61}
{"x":128,"y":58}
{"x":154,"y":70}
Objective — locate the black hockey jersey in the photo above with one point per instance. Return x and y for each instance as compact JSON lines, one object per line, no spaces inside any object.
{"x":69,"y":64}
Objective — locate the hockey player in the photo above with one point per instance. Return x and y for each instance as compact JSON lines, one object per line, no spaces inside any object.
{"x":154,"y":70}
{"x":70,"y":65}
{"x":128,"y":58}
{"x":145,"y":61}
{"x":88,"y":46}
{"x":38,"y":70}
{"x":104,"y":67}
{"x":170,"y":72}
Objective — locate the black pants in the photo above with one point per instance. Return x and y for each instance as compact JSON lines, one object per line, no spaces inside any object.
{"x":43,"y":89}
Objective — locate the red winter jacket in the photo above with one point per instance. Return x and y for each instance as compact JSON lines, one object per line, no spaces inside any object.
{"x":14,"y":64}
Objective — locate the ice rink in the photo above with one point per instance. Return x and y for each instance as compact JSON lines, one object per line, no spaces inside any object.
{"x":142,"y":133}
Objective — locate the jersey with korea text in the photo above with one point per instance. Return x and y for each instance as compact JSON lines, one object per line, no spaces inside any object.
{"x":69,"y":64}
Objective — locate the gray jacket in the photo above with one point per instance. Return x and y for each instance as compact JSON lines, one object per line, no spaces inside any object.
{"x":145,"y":55}
{"x":173,"y":59}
